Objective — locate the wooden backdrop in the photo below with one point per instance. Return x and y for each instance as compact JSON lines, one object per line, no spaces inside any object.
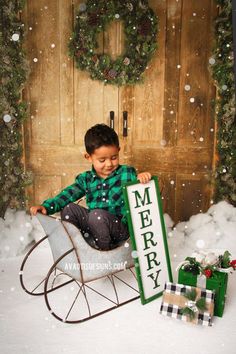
{"x":171,"y":128}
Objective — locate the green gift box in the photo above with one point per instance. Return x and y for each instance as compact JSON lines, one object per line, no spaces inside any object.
{"x":217,"y":282}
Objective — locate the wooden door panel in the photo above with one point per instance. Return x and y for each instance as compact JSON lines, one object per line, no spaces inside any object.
{"x":66,"y":75}
{"x":168,"y":135}
{"x":195,"y":118}
{"x":43,"y":85}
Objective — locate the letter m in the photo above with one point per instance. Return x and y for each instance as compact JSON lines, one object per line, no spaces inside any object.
{"x":143,"y":200}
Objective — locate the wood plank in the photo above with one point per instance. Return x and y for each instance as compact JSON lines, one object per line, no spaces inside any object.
{"x":112,"y":45}
{"x":173,"y":159}
{"x":46,"y":187}
{"x":126,"y":103}
{"x":66,"y":74}
{"x":191,"y":196}
{"x":194,"y":119}
{"x":51,"y":160}
{"x":88,"y":99}
{"x":149,"y":96}
{"x":172,"y":71}
{"x":167,"y":184}
{"x":43,"y":80}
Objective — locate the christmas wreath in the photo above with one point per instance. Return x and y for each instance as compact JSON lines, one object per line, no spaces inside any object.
{"x":140,"y":28}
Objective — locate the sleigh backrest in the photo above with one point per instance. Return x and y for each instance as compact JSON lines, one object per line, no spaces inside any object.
{"x":95,"y":263}
{"x":59,"y":240}
{"x":85,"y":263}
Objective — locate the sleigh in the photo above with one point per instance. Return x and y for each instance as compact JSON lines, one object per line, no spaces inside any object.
{"x":81,"y":282}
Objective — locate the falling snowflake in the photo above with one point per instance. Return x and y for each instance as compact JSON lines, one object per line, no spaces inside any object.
{"x":7,"y":118}
{"x":35,"y":60}
{"x":82,"y":7}
{"x":134,"y":254}
{"x":163,"y":142}
{"x":192,"y":99}
{"x":15,"y":37}
{"x":212,"y":61}
{"x":200,"y":243}
{"x":187,"y":87}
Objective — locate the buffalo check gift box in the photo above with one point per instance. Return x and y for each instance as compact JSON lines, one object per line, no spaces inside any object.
{"x":188,"y":303}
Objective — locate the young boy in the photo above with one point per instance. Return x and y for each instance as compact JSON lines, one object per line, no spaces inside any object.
{"x":105,"y":217}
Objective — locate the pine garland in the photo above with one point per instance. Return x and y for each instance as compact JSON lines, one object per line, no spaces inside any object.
{"x":223,"y":73}
{"x":13,"y":73}
{"x":140,"y":28}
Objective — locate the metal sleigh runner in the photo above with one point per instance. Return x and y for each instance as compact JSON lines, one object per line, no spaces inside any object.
{"x":83,"y":282}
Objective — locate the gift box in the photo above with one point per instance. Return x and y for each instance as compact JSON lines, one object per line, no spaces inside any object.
{"x":187,"y":303}
{"x":217,"y":282}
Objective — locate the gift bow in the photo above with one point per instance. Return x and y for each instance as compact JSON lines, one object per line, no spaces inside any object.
{"x":193,"y":305}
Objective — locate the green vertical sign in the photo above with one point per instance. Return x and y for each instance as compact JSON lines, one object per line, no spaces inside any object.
{"x":148,"y":237}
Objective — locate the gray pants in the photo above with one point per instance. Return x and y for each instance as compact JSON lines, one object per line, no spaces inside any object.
{"x":105,"y":228}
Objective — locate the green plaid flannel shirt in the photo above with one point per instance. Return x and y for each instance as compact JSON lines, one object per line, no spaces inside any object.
{"x":100,"y":193}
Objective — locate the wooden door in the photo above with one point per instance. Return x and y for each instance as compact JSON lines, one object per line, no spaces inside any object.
{"x":170,"y":127}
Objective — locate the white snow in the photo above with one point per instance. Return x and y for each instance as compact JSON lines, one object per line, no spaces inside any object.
{"x":215,"y":229}
{"x":17,"y":231}
{"x":28,"y":327}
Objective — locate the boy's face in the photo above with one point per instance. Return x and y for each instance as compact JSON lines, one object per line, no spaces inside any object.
{"x":105,"y":160}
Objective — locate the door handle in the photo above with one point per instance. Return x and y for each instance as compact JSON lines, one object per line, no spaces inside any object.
{"x":125,"y":123}
{"x":112,"y":119}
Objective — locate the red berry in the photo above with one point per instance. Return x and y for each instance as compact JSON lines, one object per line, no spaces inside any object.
{"x":208,"y":273}
{"x":233,"y":264}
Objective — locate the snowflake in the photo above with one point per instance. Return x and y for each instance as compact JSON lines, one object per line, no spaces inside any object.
{"x":134,"y":254}
{"x":7,"y":118}
{"x":187,"y":87}
{"x":15,"y":37}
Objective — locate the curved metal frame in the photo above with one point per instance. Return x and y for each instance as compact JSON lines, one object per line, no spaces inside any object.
{"x":21,"y":273}
{"x":82,"y":286}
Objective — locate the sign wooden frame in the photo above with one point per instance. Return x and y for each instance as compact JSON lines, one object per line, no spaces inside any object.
{"x":151,"y":234}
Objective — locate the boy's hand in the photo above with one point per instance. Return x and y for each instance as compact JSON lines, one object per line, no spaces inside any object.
{"x":144,"y":177}
{"x":38,"y":208}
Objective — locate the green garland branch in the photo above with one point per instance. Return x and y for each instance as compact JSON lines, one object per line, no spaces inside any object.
{"x":13,"y":72}
{"x":140,"y":28}
{"x":222,"y":69}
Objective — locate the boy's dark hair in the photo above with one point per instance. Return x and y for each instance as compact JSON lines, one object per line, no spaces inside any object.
{"x":99,"y":135}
